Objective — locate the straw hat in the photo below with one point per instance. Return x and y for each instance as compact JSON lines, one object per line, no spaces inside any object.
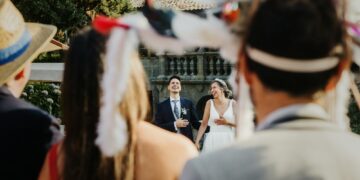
{"x":19,"y":41}
{"x":55,"y":45}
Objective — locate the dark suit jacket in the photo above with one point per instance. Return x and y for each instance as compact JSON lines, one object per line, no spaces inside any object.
{"x":26,"y":133}
{"x":164,"y":117}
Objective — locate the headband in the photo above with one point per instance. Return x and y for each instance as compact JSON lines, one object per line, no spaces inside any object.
{"x":222,"y":82}
{"x":294,"y":65}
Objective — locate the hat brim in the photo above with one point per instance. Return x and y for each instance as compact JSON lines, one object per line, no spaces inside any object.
{"x":55,"y":45}
{"x":41,"y":34}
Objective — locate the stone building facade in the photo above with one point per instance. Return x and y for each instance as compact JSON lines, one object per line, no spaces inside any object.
{"x":196,"y":69}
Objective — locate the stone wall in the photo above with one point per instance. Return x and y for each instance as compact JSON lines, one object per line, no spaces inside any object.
{"x":196,"y":69}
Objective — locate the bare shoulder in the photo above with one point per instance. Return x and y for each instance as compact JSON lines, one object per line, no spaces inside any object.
{"x":161,"y":154}
{"x":208,"y":102}
{"x":161,"y":140}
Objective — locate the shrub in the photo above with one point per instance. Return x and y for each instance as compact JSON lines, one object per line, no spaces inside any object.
{"x":44,"y":95}
{"x":354,"y":115}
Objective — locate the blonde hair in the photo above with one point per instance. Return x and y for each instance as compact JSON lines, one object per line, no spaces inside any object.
{"x":134,"y":107}
{"x":81,"y":85}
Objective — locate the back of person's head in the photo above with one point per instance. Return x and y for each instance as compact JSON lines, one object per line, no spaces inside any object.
{"x":174,"y":77}
{"x":81,"y":103}
{"x":294,"y":29}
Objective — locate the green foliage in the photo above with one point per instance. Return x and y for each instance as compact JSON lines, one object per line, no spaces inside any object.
{"x":56,"y":56}
{"x":68,"y":16}
{"x":112,"y":8}
{"x":64,"y":14}
{"x":44,"y":95}
{"x":354,"y":115}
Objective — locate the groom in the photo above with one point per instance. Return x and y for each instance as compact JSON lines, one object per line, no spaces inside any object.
{"x":177,"y":114}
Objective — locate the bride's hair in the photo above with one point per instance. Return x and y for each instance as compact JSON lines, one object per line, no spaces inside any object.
{"x":222,"y":84}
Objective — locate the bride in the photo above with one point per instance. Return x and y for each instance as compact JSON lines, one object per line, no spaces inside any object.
{"x":219,"y":115}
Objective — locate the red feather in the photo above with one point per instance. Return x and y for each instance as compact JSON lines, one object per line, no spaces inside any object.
{"x":104,"y":24}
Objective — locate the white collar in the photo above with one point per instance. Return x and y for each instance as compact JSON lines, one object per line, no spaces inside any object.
{"x":307,"y":110}
{"x":172,"y":99}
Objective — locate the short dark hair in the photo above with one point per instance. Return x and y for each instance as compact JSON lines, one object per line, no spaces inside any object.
{"x":174,"y":77}
{"x":298,"y":29}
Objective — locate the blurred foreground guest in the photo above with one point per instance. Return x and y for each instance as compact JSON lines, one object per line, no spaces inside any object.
{"x":26,"y":132}
{"x":150,"y":152}
{"x":295,"y":52}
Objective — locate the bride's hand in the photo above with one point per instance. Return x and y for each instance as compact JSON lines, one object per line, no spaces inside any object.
{"x":221,"y":121}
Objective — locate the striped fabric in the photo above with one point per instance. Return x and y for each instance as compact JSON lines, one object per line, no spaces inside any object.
{"x":11,"y":53}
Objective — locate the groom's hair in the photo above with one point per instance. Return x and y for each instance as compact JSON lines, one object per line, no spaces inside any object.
{"x":298,"y":29}
{"x":174,"y":77}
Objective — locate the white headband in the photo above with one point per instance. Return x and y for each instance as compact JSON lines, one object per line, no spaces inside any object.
{"x":293,"y":65}
{"x":221,"y":81}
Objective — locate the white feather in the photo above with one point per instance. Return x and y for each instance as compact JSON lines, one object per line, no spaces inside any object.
{"x":353,"y":15}
{"x":356,"y":54}
{"x":191,"y":30}
{"x":337,"y":101}
{"x":152,"y":39}
{"x":210,"y":32}
{"x":230,"y":51}
{"x":245,"y":115}
{"x":218,"y":1}
{"x":353,"y":11}
{"x":112,"y":128}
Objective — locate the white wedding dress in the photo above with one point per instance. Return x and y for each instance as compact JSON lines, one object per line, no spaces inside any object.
{"x":219,"y":135}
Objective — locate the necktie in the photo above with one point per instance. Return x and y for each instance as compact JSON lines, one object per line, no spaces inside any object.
{"x":176,"y":110}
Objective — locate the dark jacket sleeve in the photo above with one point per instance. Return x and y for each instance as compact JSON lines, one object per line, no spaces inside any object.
{"x":162,"y":121}
{"x":194,"y":120}
{"x":28,"y":135}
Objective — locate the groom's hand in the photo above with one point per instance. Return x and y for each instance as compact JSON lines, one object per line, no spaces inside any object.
{"x":181,"y":123}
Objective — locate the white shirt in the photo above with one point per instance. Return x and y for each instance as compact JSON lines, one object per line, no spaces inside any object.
{"x":178,"y":105}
